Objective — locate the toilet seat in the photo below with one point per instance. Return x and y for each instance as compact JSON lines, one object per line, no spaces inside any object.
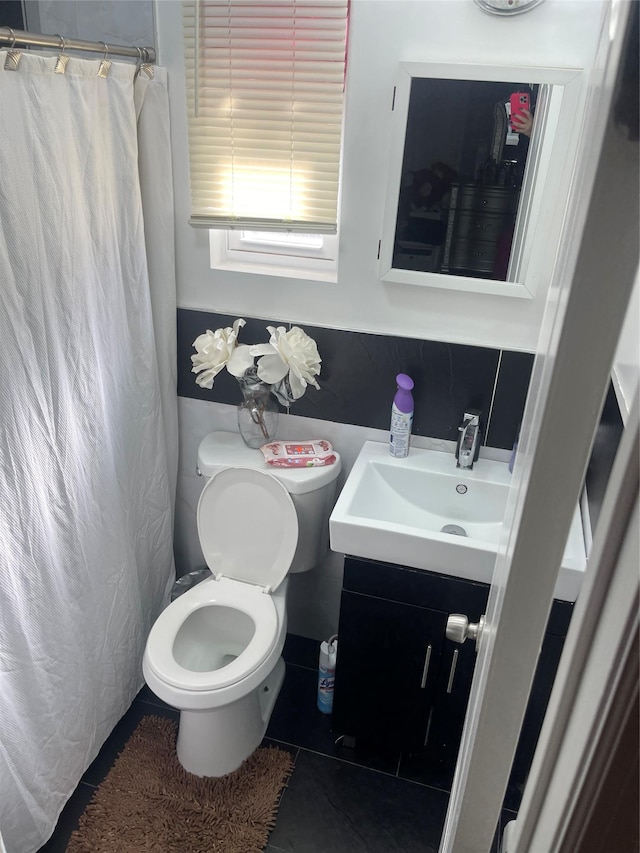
{"x":248,"y":526}
{"x":213,"y":593}
{"x":248,"y":529}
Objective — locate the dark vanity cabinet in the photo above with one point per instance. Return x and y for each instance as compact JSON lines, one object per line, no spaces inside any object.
{"x":395,"y":664}
{"x":400,"y":682}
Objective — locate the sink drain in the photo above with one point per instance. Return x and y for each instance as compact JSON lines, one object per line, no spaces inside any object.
{"x":454,"y":529}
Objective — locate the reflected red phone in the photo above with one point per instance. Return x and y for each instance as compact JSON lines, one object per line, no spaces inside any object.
{"x":519,"y":102}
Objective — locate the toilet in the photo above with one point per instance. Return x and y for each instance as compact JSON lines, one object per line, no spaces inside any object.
{"x":215,"y":652}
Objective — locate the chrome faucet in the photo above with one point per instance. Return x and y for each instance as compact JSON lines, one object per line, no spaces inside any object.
{"x":468,"y":445}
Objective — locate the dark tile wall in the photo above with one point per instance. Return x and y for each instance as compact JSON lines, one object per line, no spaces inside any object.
{"x":514,"y":372}
{"x":358,"y":378}
{"x":603,"y":453}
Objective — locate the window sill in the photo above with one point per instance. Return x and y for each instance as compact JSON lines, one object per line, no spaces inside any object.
{"x":330,"y":276}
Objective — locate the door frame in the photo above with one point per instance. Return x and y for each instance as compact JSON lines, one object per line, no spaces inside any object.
{"x":595,"y":694}
{"x":592,"y":282}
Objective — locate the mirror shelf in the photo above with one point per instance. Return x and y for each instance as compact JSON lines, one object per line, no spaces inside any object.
{"x":469,"y":204}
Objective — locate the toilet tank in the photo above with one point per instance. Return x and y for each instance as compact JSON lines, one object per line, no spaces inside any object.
{"x":312,"y":490}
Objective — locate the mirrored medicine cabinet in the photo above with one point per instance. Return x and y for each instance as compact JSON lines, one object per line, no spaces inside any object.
{"x":465,"y":190}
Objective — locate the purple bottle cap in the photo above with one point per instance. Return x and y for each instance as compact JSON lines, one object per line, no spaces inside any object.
{"x":405,"y":382}
{"x":404,"y":400}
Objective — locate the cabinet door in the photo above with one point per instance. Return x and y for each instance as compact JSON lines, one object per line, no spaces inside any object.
{"x":386,"y":673}
{"x":436,"y":763}
{"x":536,"y":709}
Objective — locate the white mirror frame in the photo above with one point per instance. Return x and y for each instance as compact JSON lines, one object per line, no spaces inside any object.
{"x":549,"y":157}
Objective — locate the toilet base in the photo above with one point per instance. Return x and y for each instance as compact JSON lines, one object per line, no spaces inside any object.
{"x":215,"y":742}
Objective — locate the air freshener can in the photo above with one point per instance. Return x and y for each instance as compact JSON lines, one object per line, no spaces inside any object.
{"x":327,"y":673}
{"x":401,"y":417}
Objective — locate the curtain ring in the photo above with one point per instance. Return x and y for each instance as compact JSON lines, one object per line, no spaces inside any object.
{"x":145,"y":66}
{"x":105,"y":64}
{"x":12,"y":60}
{"x":62,"y":61}
{"x":138,"y":63}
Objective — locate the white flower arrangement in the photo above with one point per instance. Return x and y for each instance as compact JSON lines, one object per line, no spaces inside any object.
{"x":288,"y":363}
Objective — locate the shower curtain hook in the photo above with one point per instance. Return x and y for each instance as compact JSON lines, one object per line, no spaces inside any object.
{"x":146,"y":67}
{"x":105,"y":64}
{"x":138,"y":63}
{"x":63,"y":60}
{"x":13,"y":56}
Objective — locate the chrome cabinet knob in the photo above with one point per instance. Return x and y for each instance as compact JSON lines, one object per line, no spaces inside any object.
{"x":460,"y":629}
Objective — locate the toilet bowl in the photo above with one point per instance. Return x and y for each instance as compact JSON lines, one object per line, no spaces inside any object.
{"x":215,"y":652}
{"x":217,"y":658}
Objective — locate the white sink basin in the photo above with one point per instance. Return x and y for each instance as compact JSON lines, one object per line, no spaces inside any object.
{"x":424,"y":512}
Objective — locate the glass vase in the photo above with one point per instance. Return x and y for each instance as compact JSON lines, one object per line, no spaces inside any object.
{"x":258,"y":411}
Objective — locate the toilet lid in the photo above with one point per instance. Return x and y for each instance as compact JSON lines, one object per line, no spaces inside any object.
{"x":248,"y":526}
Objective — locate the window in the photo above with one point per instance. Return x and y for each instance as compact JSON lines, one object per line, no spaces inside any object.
{"x":265,"y":85}
{"x":289,"y":254}
{"x":304,"y":245}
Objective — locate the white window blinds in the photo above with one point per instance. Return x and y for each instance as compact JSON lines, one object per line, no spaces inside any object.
{"x":265,"y":84}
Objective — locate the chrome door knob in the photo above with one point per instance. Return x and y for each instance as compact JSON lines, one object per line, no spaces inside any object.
{"x":457,"y":628}
{"x":460,"y":629}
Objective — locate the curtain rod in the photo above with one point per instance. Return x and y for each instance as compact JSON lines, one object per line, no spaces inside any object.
{"x":24,"y":38}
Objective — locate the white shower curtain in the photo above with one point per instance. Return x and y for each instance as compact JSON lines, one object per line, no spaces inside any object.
{"x":88,"y":435}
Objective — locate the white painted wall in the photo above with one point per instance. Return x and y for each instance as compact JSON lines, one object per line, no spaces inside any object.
{"x":383,"y":33}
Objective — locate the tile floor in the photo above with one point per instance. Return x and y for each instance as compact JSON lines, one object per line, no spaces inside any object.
{"x":338,"y":800}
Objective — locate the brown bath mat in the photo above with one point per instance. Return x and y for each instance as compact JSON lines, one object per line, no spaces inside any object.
{"x":149,"y":802}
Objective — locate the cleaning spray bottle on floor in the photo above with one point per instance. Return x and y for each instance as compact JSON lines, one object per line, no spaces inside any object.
{"x":327,"y":674}
{"x":401,"y":417}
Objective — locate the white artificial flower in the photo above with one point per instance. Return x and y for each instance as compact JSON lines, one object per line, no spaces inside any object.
{"x":215,"y":349}
{"x":291,"y":354}
{"x":240,"y":360}
{"x":288,"y":363}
